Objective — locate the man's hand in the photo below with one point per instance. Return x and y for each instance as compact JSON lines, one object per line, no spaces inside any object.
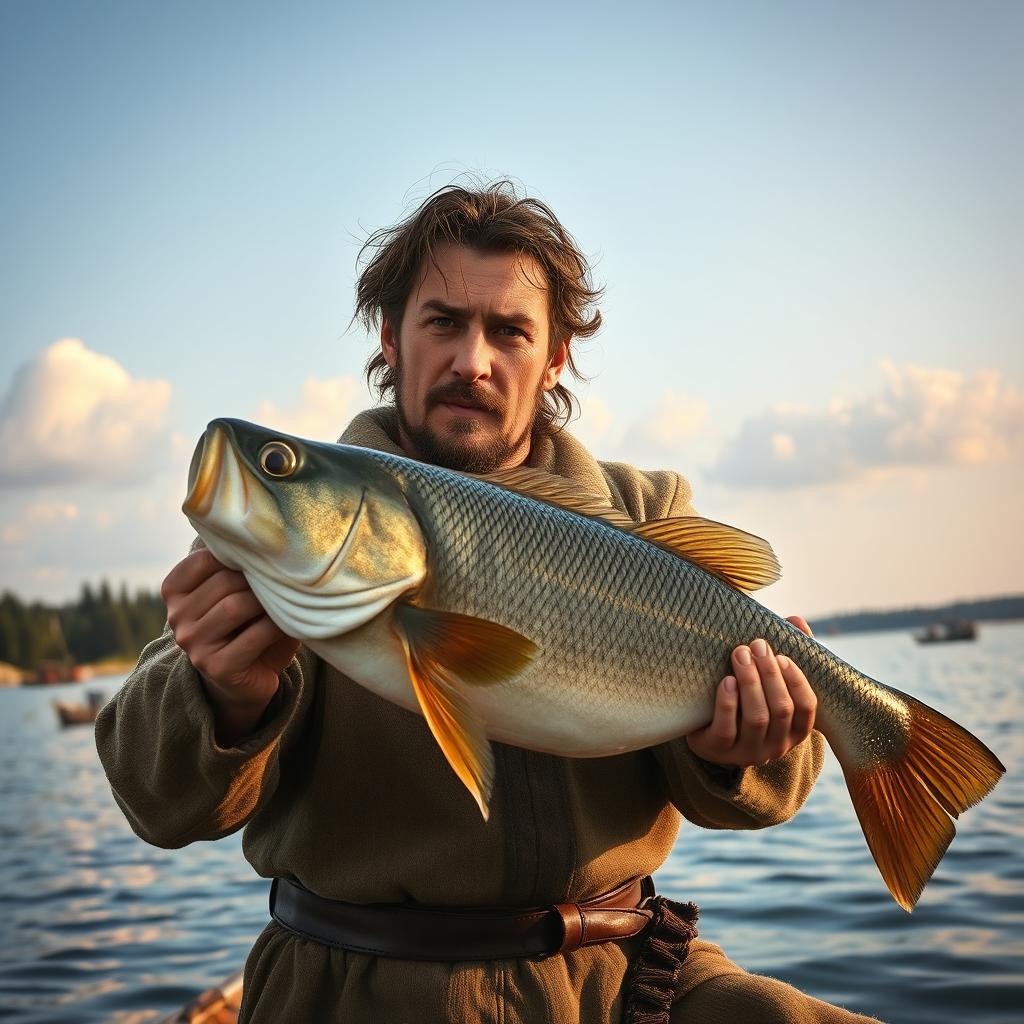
{"x":230,"y":640}
{"x":761,"y":712}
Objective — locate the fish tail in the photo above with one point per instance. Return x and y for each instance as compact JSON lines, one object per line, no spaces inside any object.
{"x":904,"y":801}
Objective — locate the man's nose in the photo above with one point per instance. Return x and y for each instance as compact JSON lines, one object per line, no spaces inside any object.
{"x":472,"y":359}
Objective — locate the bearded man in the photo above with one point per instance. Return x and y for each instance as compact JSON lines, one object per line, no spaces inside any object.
{"x":392,"y":900}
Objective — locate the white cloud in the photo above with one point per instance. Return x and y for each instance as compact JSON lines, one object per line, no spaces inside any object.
{"x":922,"y":417}
{"x":595,"y":420}
{"x":49,"y":545}
{"x":73,"y":415}
{"x":664,"y":428}
{"x":321,"y":412}
{"x":38,"y":515}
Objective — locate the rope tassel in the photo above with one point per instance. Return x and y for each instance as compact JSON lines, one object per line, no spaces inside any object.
{"x":656,"y":970}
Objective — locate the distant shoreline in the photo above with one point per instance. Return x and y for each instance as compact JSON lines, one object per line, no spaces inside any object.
{"x":12,"y":675}
{"x":993,"y":609}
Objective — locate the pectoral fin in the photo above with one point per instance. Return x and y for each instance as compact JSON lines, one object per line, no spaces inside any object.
{"x":475,"y":650}
{"x":442,"y":649}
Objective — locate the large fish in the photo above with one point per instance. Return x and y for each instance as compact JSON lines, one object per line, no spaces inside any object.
{"x":513,"y":608}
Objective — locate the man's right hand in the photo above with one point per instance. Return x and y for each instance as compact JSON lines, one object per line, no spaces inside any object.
{"x":230,"y":640}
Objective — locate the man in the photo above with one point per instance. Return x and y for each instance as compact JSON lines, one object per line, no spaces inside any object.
{"x":347,"y":800}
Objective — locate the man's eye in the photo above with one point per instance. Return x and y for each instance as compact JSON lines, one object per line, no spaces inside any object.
{"x":442,"y":321}
{"x":509,"y":331}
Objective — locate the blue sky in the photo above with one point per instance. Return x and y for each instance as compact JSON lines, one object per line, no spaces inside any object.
{"x":809,"y":219}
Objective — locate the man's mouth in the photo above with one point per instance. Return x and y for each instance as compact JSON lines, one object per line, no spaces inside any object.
{"x":460,"y":406}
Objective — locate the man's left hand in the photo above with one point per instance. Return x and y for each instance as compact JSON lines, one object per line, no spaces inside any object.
{"x":761,"y":712}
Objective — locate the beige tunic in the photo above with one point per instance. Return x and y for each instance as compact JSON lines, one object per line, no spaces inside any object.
{"x":350,"y":796}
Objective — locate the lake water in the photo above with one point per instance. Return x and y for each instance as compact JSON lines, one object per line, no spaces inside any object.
{"x":97,"y":926}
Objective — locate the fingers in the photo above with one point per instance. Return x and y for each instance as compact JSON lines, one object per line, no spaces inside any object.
{"x":213,"y":590}
{"x":754,"y":716}
{"x":805,"y":703}
{"x":801,"y":623}
{"x":238,"y":655}
{"x":716,"y":742}
{"x":206,"y":603}
{"x":189,"y":573}
{"x":278,"y":656}
{"x":777,"y":705}
{"x":776,"y":697}
{"x":211,"y":614}
{"x":721,"y":732}
{"x":220,"y":624}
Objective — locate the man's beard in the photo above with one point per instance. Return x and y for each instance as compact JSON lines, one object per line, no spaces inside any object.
{"x":452,"y":451}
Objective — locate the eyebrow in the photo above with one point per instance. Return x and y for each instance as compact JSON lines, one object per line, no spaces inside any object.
{"x":459,"y":313}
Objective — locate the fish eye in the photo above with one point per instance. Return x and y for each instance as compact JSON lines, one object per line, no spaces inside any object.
{"x":277,"y":459}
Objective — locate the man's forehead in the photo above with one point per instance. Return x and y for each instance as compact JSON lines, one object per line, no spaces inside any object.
{"x":459,"y":274}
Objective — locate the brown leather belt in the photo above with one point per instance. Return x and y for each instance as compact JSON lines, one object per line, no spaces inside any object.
{"x":411,"y":932}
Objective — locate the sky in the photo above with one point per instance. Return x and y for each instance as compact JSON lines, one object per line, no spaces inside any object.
{"x":808,"y":219}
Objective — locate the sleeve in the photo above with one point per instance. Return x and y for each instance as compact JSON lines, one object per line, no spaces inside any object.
{"x":740,"y":798}
{"x":157,"y":745}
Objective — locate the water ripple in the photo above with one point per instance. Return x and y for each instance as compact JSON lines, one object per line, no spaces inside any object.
{"x":97,"y":926}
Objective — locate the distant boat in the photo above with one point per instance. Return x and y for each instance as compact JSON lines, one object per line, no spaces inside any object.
{"x":80,"y":714}
{"x":944,"y":632}
{"x":217,"y":1005}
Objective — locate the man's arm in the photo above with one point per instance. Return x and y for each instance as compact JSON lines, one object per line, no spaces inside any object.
{"x":189,"y":756}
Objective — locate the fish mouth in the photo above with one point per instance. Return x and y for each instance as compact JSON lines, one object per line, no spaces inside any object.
{"x":204,"y":473}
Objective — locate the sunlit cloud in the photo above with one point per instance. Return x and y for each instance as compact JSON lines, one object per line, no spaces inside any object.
{"x":74,"y":415}
{"x":321,"y":412}
{"x":655,"y":436}
{"x":675,"y":419}
{"x":594,"y":422}
{"x":48,"y":546}
{"x":923,"y":417}
{"x":38,"y":515}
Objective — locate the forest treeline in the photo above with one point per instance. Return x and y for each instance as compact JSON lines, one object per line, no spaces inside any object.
{"x":98,"y":625}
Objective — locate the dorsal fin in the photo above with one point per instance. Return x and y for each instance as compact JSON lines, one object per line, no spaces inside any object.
{"x":739,"y":558}
{"x":556,"y":490}
{"x":736,"y":557}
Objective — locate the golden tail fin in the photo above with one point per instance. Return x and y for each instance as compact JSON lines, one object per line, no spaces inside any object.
{"x":904,"y":804}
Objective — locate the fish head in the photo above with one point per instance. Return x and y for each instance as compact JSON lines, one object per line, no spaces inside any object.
{"x":322,"y":532}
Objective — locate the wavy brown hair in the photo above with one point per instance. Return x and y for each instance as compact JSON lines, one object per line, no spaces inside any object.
{"x":493,"y":218}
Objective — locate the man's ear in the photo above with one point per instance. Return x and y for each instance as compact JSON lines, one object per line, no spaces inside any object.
{"x":556,"y":364}
{"x":388,"y":343}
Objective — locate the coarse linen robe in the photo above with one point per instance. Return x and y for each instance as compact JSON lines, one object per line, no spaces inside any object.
{"x":350,"y":796}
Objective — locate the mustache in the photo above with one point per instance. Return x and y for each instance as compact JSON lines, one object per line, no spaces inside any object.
{"x":461,"y":391}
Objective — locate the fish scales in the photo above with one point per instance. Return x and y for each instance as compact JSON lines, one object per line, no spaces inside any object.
{"x":608,"y":610}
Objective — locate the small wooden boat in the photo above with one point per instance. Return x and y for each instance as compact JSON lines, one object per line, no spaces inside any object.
{"x":80,"y":714}
{"x":217,"y":1005}
{"x":944,"y":632}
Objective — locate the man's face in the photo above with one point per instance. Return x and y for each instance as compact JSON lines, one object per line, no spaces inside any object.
{"x":472,"y":359}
